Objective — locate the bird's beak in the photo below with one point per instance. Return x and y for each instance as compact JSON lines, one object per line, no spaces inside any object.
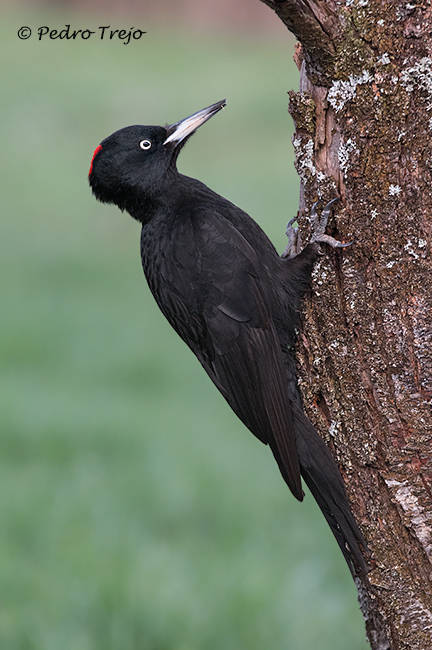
{"x":180,"y":130}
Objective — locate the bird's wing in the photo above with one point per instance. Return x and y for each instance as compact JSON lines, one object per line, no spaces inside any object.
{"x":216,"y":301}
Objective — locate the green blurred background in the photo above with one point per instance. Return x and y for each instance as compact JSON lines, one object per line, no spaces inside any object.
{"x":136,"y":512}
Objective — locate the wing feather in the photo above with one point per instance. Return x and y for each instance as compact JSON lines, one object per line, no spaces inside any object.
{"x":218,"y":306}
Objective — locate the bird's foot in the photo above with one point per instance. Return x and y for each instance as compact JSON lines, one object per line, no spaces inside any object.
{"x":318,"y":230}
{"x":319,"y":225}
{"x":294,"y":239}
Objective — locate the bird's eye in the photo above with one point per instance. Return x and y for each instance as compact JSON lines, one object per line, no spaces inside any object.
{"x":145,"y":144}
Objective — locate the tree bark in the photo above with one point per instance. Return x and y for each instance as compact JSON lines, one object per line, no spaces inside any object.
{"x":364,"y":132}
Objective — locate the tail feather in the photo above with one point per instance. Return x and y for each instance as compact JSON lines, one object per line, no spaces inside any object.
{"x":322,"y":476}
{"x":341,"y":522}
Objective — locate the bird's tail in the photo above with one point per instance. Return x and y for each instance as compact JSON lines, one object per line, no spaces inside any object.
{"x":322,"y":476}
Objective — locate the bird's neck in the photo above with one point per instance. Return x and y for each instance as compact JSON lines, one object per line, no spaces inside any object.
{"x":141,"y":207}
{"x":145,"y":203}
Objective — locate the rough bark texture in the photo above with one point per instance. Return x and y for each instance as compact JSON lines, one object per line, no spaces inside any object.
{"x":364,"y":132}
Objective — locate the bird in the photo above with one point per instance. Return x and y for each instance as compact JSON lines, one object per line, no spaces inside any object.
{"x":230,"y":296}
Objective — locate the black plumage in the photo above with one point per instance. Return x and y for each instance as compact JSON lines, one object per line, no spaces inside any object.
{"x":223,"y":287}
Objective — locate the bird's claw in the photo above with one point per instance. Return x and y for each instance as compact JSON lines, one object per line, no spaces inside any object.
{"x":294,"y":239}
{"x":313,"y":215}
{"x":319,"y":225}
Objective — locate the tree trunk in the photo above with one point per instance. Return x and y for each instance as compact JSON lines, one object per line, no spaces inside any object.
{"x":364,"y":132}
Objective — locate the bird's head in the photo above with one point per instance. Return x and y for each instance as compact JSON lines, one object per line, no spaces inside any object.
{"x":131,"y":165}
